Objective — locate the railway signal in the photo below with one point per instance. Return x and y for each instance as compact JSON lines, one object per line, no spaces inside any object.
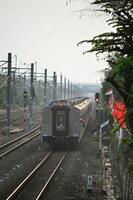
{"x":25,"y":94}
{"x":97,"y":98}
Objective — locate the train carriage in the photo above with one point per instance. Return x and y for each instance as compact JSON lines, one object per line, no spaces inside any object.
{"x":65,"y":121}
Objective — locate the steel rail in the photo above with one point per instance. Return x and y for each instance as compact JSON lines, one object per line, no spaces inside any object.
{"x":25,"y":181}
{"x":19,"y":145}
{"x":16,"y":117}
{"x":12,"y":141}
{"x":51,"y":176}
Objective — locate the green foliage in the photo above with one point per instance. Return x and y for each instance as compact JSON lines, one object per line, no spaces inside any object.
{"x":105,"y":87}
{"x":121,"y":19}
{"x":120,"y":73}
{"x":124,"y":68}
{"x":115,"y":128}
{"x":128,"y":140}
{"x":121,"y":78}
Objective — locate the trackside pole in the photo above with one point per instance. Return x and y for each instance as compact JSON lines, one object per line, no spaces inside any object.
{"x":45,"y":87}
{"x":65,"y":88}
{"x":31,"y":95}
{"x":61,"y":86}
{"x":9,"y":92}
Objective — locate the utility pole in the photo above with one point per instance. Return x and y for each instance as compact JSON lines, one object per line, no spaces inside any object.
{"x":9,"y":91}
{"x":75,"y":92}
{"x":71,"y":90}
{"x":25,"y":94}
{"x":45,"y":87}
{"x":39,"y":92}
{"x":39,"y":86}
{"x":65,"y":88}
{"x":24,"y":81}
{"x":16,"y":61}
{"x":54,"y":86}
{"x":13,"y":92}
{"x":35,"y":71}
{"x":68,"y":89}
{"x":61,"y":86}
{"x":31,"y":94}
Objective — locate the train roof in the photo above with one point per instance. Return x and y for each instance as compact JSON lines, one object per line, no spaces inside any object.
{"x":58,"y":102}
{"x":83,"y":104}
{"x":78,"y":103}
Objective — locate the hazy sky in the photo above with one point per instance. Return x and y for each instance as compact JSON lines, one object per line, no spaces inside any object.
{"x":47,"y":31}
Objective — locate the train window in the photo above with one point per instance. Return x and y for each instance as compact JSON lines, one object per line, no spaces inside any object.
{"x":60,"y":120}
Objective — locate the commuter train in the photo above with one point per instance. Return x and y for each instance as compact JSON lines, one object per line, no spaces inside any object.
{"x":64,"y":121}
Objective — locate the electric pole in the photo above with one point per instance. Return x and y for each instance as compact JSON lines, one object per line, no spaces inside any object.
{"x":65,"y":88}
{"x":71,"y":90}
{"x":24,"y":80}
{"x":75,"y":95}
{"x":31,"y":94}
{"x":61,"y":86}
{"x":68,"y":88}
{"x":9,"y":91}
{"x":54,"y":86}
{"x":13,"y":92}
{"x":45,"y":87}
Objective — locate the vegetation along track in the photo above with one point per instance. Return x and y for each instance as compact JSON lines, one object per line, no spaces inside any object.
{"x":3,"y":122}
{"x":7,"y":148}
{"x":35,"y":184}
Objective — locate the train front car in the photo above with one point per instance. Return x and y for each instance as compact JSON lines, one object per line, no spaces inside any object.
{"x":65,"y":121}
{"x":55,"y":123}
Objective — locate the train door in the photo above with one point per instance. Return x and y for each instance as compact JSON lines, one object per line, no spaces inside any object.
{"x":60,"y":122}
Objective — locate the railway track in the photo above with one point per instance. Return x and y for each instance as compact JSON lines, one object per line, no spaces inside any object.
{"x":15,"y":117}
{"x":35,"y":184}
{"x":8,"y":147}
{"x":13,"y":114}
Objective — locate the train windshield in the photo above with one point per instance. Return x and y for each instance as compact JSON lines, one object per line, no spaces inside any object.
{"x":60,"y":120}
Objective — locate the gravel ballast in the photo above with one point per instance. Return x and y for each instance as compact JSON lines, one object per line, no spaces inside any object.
{"x":70,"y":182}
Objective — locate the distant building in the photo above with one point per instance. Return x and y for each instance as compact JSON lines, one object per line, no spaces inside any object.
{"x":89,"y":89}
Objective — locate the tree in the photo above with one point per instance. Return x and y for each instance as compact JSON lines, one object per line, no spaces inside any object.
{"x":121,"y":40}
{"x":121,"y":77}
{"x":120,"y":73}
